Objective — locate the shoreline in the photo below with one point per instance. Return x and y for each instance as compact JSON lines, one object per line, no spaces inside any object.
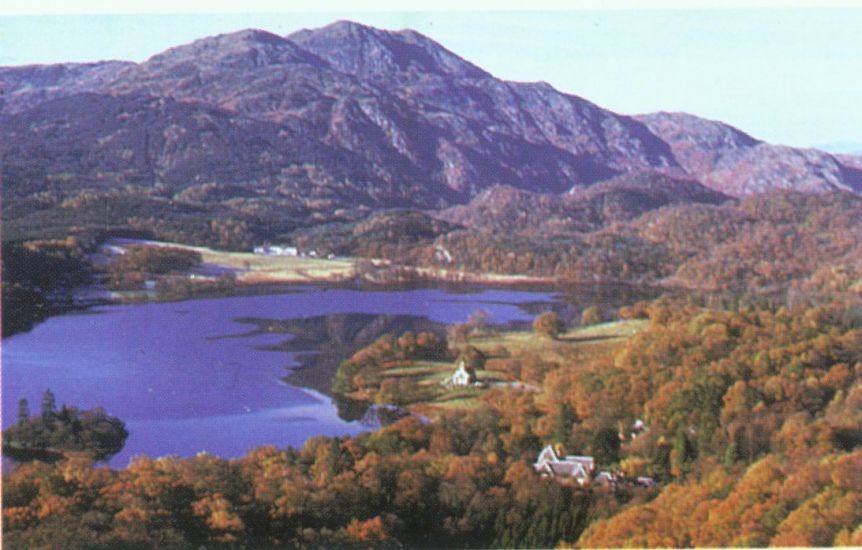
{"x":256,"y":269}
{"x":249,"y":273}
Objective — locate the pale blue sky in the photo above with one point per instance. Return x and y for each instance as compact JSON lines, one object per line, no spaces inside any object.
{"x":791,"y":76}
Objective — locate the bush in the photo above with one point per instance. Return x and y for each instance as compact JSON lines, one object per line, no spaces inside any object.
{"x":548,"y":325}
{"x":591,"y":316}
{"x":472,"y":358}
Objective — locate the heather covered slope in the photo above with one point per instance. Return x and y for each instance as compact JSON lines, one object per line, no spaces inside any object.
{"x":337,"y":121}
{"x":408,"y":119}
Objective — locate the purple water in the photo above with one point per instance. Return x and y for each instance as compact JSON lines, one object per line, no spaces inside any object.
{"x":180,"y":390}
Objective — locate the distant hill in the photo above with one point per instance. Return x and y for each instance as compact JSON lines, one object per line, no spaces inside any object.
{"x":624,"y":197}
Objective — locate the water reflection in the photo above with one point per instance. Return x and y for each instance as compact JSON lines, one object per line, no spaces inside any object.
{"x":227,"y":374}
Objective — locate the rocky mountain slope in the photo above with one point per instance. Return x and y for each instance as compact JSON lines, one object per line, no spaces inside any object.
{"x":731,"y":161}
{"x":348,"y":118}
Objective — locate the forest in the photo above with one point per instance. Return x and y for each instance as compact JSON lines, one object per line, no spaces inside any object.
{"x":752,"y":431}
{"x":36,"y":279}
{"x":747,"y":394}
{"x":760,"y":244}
{"x":131,"y":269}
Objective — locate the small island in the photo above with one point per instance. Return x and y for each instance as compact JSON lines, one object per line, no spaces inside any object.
{"x":56,"y":433}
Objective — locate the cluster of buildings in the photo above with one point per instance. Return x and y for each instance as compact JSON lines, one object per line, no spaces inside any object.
{"x":581,"y":469}
{"x":283,"y":250}
{"x":276,"y":250}
{"x":551,"y":462}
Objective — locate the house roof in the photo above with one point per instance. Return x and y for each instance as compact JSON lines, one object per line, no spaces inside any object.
{"x":563,"y":469}
{"x":587,"y":461}
{"x":571,"y":466}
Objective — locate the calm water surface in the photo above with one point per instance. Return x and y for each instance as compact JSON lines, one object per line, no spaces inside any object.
{"x":181,"y":387}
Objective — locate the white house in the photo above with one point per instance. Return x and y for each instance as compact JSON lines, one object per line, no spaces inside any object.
{"x":579,"y":468}
{"x":276,"y":250}
{"x":463,"y":376}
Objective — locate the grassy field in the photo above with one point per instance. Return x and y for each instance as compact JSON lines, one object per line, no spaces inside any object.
{"x":578,"y":343}
{"x":575,"y":345}
{"x":257,"y":268}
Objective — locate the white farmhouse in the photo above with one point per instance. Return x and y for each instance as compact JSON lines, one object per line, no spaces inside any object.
{"x":579,"y":468}
{"x":276,"y":250}
{"x":463,"y":376}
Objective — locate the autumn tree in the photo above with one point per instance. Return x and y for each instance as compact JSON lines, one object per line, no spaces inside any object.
{"x":591,"y":316}
{"x":472,"y":357}
{"x":548,"y":325}
{"x":605,"y":445}
{"x":566,"y":418}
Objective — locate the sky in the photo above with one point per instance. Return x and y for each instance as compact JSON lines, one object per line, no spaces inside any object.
{"x":789,"y":74}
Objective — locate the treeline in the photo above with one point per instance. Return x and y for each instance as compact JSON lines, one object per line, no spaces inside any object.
{"x":763,"y":243}
{"x":36,"y":280}
{"x":388,"y":234}
{"x":360,"y":376}
{"x":131,"y":269}
{"x":224,"y":223}
{"x":751,"y":424}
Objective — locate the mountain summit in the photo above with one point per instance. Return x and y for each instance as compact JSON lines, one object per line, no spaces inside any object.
{"x":348,"y":116}
{"x":367,"y":52}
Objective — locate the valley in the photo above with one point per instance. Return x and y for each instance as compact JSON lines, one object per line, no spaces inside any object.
{"x":344,"y":288}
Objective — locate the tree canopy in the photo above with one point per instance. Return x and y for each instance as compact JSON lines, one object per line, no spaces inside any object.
{"x":68,"y":429}
{"x":548,"y":324}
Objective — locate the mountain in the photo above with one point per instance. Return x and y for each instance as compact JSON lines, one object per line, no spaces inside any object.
{"x":851,"y":161}
{"x":731,"y":161}
{"x":136,"y":138}
{"x":405,"y":116}
{"x":22,"y":88}
{"x":335,"y":122}
{"x":379,"y":55}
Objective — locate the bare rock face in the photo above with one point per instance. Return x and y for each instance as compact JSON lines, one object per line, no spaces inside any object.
{"x":24,"y":87}
{"x":732,"y":162}
{"x":350,"y":116}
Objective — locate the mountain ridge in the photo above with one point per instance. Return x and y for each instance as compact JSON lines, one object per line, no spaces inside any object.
{"x":725,"y":158}
{"x":348,"y":115}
